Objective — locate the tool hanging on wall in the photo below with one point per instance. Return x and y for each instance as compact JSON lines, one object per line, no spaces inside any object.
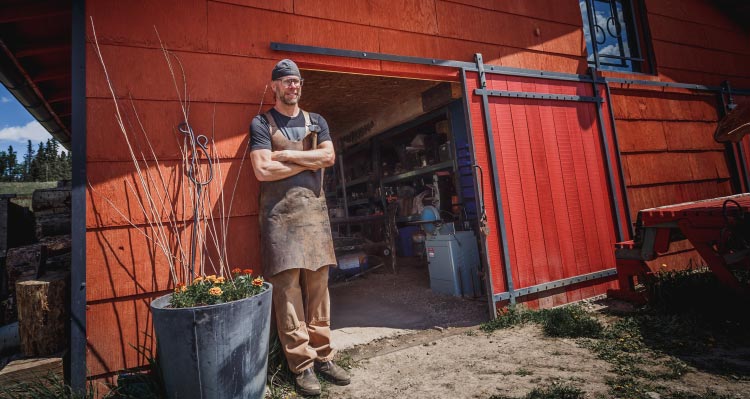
{"x":198,"y":144}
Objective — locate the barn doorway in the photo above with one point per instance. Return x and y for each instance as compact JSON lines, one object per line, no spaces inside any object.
{"x":402,"y":205}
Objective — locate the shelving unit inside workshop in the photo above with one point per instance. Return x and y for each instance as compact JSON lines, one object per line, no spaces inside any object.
{"x":382,"y":184}
{"x":353,"y":198}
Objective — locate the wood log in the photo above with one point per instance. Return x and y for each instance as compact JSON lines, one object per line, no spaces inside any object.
{"x":42,"y":312}
{"x":22,"y":264}
{"x":30,"y":370}
{"x":56,"y":245}
{"x":50,"y":198}
{"x":52,"y":225}
{"x":51,"y":211}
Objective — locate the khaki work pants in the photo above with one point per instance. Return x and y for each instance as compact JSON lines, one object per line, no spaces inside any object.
{"x":303,"y":313}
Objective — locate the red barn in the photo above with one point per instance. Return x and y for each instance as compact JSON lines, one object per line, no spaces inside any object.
{"x":558,"y":121}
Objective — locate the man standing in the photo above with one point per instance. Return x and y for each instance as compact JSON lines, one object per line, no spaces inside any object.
{"x":289,"y":150}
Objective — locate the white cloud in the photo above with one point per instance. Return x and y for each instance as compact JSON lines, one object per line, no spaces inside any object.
{"x":4,"y":100}
{"x":31,"y":131}
{"x":599,"y":19}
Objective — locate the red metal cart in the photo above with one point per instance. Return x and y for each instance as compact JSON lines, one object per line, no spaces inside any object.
{"x":718,"y":228}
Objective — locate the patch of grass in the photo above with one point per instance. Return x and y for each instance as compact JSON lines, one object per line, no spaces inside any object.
{"x":571,"y":322}
{"x":24,"y":190}
{"x":280,"y":378}
{"x":551,"y":392}
{"x":568,"y":321}
{"x":345,"y":361}
{"x":509,"y":317}
{"x":145,"y":383}
{"x":49,"y":387}
{"x":689,"y":316}
{"x":709,"y":394}
{"x":701,"y":302}
{"x":523,"y":372}
{"x":629,"y":387}
{"x":556,"y":392}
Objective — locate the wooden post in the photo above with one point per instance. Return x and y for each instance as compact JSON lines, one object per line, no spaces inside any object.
{"x":42,"y":312}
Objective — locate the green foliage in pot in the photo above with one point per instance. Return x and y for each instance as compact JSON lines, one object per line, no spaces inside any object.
{"x":212,"y":290}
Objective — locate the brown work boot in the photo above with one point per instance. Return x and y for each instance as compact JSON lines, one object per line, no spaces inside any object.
{"x":306,"y":383}
{"x":333,"y":373}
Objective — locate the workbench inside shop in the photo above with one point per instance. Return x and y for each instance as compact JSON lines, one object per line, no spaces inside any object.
{"x":379,"y":188}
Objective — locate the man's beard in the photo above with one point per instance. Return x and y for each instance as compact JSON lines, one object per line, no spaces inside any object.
{"x":284,"y":100}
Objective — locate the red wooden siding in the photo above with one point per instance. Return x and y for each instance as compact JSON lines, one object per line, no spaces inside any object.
{"x":666,"y":135}
{"x":552,"y":175}
{"x":224,"y":49}
{"x":743,"y":101}
{"x":668,"y":153}
{"x":697,"y":43}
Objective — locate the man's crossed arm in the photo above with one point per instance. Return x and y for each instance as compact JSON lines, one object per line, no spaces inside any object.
{"x":276,"y":165}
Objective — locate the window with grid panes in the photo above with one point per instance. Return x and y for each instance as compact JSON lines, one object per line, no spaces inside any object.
{"x":615,"y":34}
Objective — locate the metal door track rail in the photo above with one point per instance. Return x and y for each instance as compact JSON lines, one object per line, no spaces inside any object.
{"x":676,"y":85}
{"x":471,"y":66}
{"x":537,"y":96}
{"x":504,"y":296}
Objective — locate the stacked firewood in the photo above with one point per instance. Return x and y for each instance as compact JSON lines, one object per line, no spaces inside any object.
{"x":38,"y":275}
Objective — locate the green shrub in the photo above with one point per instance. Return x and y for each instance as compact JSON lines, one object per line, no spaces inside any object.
{"x":570,"y":322}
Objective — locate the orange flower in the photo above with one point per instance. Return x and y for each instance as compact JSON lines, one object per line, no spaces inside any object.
{"x":215,"y":291}
{"x":219,"y":280}
{"x":180,"y":287}
{"x":198,"y":280}
{"x":236,"y":270}
{"x":257,"y":281}
{"x":211,"y":278}
{"x":247,"y":271}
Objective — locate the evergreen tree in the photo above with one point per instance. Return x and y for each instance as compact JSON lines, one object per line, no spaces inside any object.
{"x":48,"y":164}
{"x":27,"y":158}
{"x":12,"y":165}
{"x":37,"y":169}
{"x":4,"y":166}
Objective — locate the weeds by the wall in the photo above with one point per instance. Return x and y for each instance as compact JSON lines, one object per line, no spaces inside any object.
{"x":568,"y":321}
{"x":690,"y":319}
{"x":50,"y":386}
{"x":510,"y":317}
{"x":690,"y":316}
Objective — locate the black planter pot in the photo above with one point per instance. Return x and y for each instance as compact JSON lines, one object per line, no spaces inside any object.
{"x":216,"y":351}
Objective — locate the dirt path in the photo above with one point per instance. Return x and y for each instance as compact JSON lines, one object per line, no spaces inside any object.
{"x":468,"y":363}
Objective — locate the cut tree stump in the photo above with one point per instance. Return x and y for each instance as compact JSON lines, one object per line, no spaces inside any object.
{"x":42,"y":312}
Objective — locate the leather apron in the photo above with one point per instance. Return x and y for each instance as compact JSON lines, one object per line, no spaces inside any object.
{"x":294,"y":225}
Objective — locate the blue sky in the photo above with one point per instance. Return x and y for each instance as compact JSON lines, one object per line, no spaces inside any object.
{"x":17,"y":125}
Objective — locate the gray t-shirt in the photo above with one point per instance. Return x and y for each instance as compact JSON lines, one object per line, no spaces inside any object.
{"x":293,"y":129}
